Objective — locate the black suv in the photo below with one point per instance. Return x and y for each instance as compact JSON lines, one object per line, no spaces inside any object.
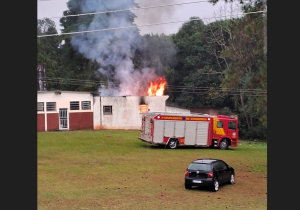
{"x":208,"y":172}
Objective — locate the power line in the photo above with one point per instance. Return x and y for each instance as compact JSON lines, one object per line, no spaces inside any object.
{"x":60,"y":0}
{"x":109,"y":29}
{"x":185,"y":89}
{"x":146,"y":0}
{"x":186,"y":92}
{"x":123,"y":10}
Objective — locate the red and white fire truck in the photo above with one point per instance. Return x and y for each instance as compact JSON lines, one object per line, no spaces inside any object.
{"x":178,"y":129}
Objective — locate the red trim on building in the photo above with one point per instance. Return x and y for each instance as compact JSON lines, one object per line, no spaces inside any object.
{"x":40,"y":122}
{"x":81,"y":120}
{"x":52,"y":122}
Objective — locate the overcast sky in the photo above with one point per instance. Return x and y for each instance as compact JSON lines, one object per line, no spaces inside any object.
{"x":55,"y":8}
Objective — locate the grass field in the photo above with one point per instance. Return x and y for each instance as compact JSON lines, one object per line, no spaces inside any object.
{"x":111,"y":169}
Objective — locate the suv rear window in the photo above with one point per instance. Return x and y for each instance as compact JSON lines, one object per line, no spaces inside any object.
{"x":199,"y":167}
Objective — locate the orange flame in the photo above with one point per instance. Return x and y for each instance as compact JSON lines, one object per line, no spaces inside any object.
{"x":157,"y":88}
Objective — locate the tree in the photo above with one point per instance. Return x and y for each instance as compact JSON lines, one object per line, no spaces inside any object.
{"x":247,"y":69}
{"x":47,"y":48}
{"x":196,"y":68}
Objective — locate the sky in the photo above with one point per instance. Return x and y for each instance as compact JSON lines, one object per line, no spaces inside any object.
{"x":55,"y":8}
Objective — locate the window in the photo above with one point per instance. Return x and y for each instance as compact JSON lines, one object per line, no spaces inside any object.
{"x":143,"y":108}
{"x":85,"y":105}
{"x":74,"y":105}
{"x":51,"y":106}
{"x":199,"y":167}
{"x":107,"y":110}
{"x":40,"y":106}
{"x":231,"y":125}
{"x":220,"y":124}
{"x":217,"y":166}
{"x":222,"y":165}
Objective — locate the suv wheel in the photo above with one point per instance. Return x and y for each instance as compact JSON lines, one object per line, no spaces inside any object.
{"x":216,"y":185}
{"x":188,"y":186}
{"x":232,"y":179}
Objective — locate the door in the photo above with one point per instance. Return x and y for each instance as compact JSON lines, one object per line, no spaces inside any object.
{"x":169,"y":128}
{"x":63,"y":119}
{"x":218,"y":128}
{"x":158,"y":132}
{"x":147,"y":126}
{"x":226,"y":172}
{"x":202,"y":133}
{"x":190,"y":133}
{"x":220,"y":171}
{"x":232,"y":129}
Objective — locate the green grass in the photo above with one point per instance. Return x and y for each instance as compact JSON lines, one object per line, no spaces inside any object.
{"x":112,"y":169}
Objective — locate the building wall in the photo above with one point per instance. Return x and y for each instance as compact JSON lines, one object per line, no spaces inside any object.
{"x":81,"y":121}
{"x":174,"y":109}
{"x":63,"y":100}
{"x":52,"y":122}
{"x":40,"y":122}
{"x":125,"y":110}
{"x":96,"y":113}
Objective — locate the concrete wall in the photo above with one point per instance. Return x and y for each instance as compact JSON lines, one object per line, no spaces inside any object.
{"x":125,"y":110}
{"x":174,"y":109}
{"x":96,"y":113}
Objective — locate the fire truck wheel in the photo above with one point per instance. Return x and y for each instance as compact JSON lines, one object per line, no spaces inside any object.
{"x":173,"y":143}
{"x":224,"y":144}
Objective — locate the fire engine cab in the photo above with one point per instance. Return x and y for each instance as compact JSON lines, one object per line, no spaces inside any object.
{"x":178,"y":129}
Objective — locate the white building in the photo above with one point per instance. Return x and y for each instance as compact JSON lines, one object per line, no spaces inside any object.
{"x":64,"y":110}
{"x":71,"y":110}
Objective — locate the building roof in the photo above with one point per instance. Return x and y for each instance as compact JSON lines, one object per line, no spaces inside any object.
{"x":74,"y":92}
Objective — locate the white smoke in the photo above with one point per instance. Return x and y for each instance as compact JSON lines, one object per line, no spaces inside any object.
{"x":113,"y":49}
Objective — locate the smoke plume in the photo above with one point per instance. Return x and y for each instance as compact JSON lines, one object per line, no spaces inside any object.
{"x":113,"y":49}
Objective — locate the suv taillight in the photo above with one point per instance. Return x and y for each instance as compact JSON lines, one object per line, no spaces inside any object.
{"x":210,"y":175}
{"x":186,"y":173}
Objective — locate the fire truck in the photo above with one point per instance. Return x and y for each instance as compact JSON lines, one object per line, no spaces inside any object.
{"x":171,"y":130}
